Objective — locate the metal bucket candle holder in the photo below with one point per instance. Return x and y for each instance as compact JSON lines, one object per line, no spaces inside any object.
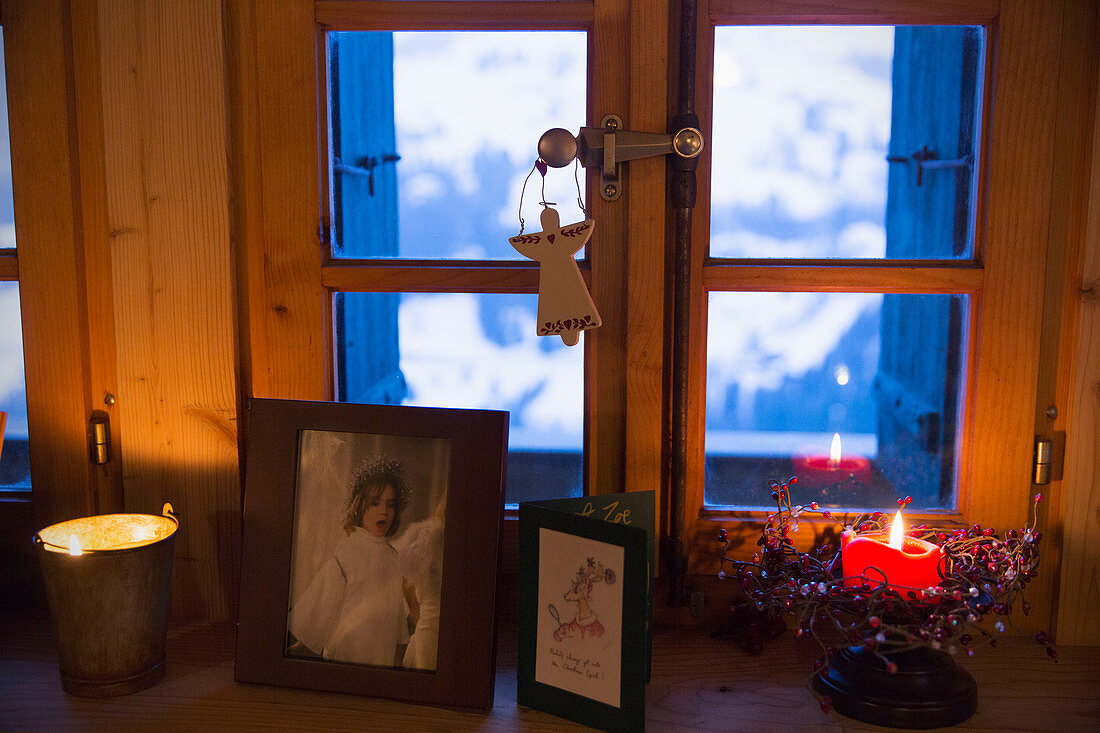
{"x":108,"y":579}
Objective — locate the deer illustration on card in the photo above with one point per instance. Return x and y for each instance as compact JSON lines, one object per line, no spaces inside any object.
{"x":585,"y":622}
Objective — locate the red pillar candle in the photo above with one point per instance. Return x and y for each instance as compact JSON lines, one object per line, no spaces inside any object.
{"x":906,"y":562}
{"x":821,"y":470}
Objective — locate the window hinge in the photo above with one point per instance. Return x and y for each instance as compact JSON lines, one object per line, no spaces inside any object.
{"x":99,"y":437}
{"x":1045,"y":468}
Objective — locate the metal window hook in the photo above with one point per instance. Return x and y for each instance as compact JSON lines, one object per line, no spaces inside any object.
{"x":926,"y":159}
{"x":609,"y":145}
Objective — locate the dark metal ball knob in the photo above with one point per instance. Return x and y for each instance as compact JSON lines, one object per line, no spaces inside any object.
{"x":557,"y":147}
{"x":688,"y":142}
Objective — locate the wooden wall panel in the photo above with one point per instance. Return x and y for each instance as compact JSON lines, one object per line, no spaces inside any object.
{"x":168,"y":210}
{"x":1079,"y":602}
{"x":1073,"y":166}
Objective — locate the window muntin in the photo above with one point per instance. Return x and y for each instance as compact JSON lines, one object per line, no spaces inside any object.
{"x":788,"y":371}
{"x":847,"y":142}
{"x":463,"y":110}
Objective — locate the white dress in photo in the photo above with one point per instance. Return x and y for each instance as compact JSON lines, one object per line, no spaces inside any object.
{"x":421,"y":550}
{"x":353,"y":610}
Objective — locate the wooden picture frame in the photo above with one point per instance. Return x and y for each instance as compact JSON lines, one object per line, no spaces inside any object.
{"x":330,"y":531}
{"x":589,"y":663}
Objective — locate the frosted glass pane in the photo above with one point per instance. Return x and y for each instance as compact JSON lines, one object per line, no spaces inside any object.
{"x":433,"y":133}
{"x":788,"y":371}
{"x":845,"y":142}
{"x":471,"y":351}
{"x":14,"y":458}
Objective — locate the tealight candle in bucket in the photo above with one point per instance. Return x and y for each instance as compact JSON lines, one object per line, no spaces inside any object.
{"x":108,"y":583}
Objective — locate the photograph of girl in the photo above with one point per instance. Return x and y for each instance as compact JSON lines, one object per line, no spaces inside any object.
{"x":368,"y":549}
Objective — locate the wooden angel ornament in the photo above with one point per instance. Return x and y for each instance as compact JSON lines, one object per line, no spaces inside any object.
{"x":565,"y":306}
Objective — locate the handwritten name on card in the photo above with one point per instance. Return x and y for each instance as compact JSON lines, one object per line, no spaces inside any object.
{"x":607,"y":512}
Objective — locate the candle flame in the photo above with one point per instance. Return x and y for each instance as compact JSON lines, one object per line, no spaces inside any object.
{"x":897,"y":532}
{"x":834,"y":451}
{"x":74,"y":545}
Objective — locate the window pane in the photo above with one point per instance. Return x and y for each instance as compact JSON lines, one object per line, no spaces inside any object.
{"x":464,"y":112}
{"x":788,"y":371}
{"x":7,"y":205}
{"x":471,"y":351}
{"x":14,"y":459}
{"x":845,"y":142}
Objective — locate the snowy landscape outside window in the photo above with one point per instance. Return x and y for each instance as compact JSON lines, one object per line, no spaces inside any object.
{"x":817,"y":156}
{"x":840,"y":144}
{"x":463,"y":111}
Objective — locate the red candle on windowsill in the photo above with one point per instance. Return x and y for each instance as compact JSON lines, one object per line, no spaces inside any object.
{"x":835,"y":468}
{"x":905,"y":562}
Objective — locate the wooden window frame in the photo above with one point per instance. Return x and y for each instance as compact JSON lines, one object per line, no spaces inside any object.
{"x":62,"y":260}
{"x":280,"y":242}
{"x":64,"y":267}
{"x":1005,"y":280}
{"x":285,"y":278}
{"x":9,"y":265}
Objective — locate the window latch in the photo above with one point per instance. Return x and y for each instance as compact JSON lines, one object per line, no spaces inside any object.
{"x":926,"y":159}
{"x":607,"y":146}
{"x":364,"y":166}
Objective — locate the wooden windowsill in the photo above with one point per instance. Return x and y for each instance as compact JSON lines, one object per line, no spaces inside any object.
{"x":698,"y":684}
